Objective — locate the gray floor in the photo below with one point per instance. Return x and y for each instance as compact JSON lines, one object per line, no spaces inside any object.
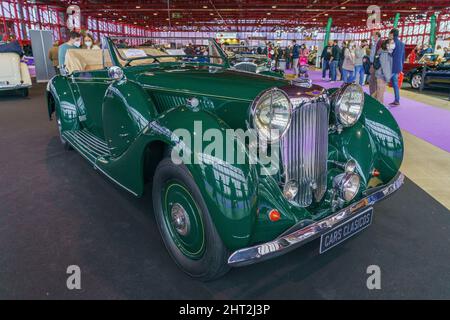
{"x":56,"y":211}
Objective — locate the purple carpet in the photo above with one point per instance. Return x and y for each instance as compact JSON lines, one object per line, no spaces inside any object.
{"x":426,"y":122}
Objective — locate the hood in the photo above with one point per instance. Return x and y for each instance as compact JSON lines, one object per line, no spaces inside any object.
{"x":224,"y":83}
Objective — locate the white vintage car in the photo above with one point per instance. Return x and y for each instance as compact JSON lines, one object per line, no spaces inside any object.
{"x":14,"y":74}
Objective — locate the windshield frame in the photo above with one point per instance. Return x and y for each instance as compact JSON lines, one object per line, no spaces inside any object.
{"x":117,"y":57}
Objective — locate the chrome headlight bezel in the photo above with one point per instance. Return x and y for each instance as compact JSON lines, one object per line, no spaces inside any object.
{"x":254,"y":109}
{"x":342,"y":115}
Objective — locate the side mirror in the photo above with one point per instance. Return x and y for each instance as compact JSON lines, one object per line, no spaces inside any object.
{"x":115,"y":73}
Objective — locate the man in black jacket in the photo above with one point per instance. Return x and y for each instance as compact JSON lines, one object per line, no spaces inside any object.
{"x":326,"y":57}
{"x":335,"y":58}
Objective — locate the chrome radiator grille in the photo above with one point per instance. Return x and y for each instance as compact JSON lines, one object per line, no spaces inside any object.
{"x":305,"y":151}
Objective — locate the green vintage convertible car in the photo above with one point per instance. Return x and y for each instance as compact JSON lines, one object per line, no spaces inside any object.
{"x":133,"y":113}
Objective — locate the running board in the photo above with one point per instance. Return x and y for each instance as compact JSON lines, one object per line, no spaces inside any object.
{"x":89,"y":145}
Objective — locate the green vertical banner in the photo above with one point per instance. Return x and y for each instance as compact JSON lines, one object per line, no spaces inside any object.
{"x":327,"y":32}
{"x":433,"y":31}
{"x":397,"y":18}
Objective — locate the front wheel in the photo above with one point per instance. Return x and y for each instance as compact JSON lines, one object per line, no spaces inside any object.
{"x":416,"y":81}
{"x":185,"y":223}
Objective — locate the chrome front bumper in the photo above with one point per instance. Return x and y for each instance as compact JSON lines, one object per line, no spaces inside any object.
{"x":290,"y":241}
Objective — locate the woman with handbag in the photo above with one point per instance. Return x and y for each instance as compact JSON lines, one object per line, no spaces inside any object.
{"x":383,"y":70}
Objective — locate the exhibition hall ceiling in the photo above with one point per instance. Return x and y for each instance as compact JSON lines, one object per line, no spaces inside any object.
{"x":242,"y":15}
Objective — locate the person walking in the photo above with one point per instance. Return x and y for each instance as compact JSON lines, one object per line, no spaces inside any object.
{"x":287,"y":56}
{"x":383,"y":70}
{"x":374,"y":47}
{"x":295,"y":56}
{"x":53,"y":56}
{"x":303,"y":61}
{"x":348,"y":67}
{"x":398,"y":58}
{"x":326,"y":56}
{"x":334,"y":62}
{"x":360,"y":52}
{"x":73,"y":43}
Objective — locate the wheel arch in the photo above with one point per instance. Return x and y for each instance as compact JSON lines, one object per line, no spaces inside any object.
{"x":229,"y":190}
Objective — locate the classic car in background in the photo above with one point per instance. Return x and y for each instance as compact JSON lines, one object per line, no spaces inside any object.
{"x":339,"y":152}
{"x":14,"y":74}
{"x":428,"y":59}
{"x":244,"y":58}
{"x":435,"y":76}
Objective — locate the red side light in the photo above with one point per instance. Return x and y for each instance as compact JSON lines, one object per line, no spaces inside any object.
{"x":375,"y":173}
{"x":274,"y":215}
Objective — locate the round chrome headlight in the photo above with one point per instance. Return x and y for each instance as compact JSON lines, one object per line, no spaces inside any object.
{"x":347,"y":185}
{"x":349,"y":104}
{"x":271,"y":113}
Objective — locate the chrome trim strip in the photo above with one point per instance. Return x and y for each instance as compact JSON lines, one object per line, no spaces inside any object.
{"x":299,"y":237}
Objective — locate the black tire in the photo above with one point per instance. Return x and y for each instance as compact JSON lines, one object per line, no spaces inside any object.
{"x":213,"y":263}
{"x":65,"y":144}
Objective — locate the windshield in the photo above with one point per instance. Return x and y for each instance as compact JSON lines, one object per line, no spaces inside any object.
{"x":138,"y":51}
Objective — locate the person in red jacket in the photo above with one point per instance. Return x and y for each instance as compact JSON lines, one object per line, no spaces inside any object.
{"x":412,"y":56}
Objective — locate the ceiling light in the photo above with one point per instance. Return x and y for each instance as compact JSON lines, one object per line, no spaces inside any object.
{"x":155,"y":14}
{"x":326,"y":14}
{"x":138,"y":7}
{"x":343,"y":8}
{"x":384,"y":15}
{"x":363,"y":19}
{"x":211,"y":14}
{"x":413,"y":8}
{"x":314,"y":19}
{"x":274,"y":7}
{"x":99,"y":14}
{"x":268,"y":13}
{"x":205,"y":7}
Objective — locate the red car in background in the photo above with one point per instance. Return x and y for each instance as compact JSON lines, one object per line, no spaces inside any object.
{"x":429,"y":59}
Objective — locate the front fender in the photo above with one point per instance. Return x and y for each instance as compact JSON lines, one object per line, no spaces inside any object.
{"x":65,"y":105}
{"x":375,"y":142}
{"x":229,"y":190}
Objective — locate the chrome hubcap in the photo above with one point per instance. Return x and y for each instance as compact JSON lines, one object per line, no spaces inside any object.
{"x":180,"y":219}
{"x":416,"y":81}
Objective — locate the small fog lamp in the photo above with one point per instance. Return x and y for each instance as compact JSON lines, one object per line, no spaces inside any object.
{"x":290,"y":190}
